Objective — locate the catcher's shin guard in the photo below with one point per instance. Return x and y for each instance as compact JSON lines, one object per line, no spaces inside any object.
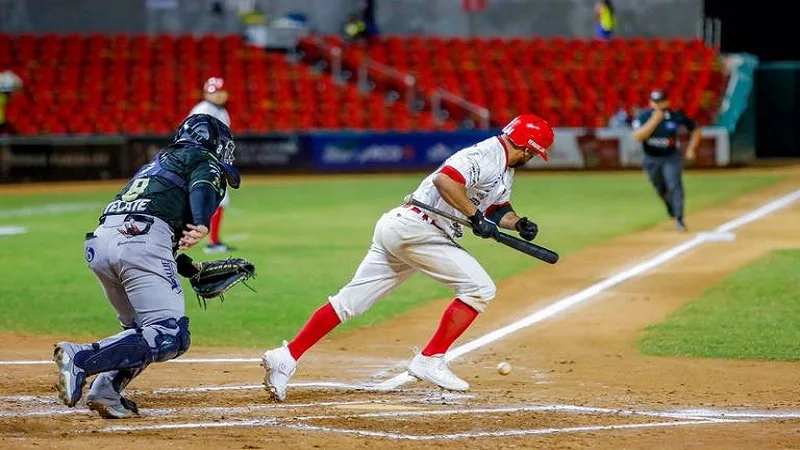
{"x":136,"y":348}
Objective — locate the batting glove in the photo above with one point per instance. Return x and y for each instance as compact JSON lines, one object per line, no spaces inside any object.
{"x":527,"y":229}
{"x":482,"y":227}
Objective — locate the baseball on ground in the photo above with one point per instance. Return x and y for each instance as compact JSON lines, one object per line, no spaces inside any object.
{"x":504,"y":368}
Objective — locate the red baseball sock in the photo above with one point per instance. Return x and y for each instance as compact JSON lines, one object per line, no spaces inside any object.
{"x":216,"y":219}
{"x":319,"y":324}
{"x":455,"y":321}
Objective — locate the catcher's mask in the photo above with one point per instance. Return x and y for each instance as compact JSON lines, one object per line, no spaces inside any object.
{"x":213,"y":135}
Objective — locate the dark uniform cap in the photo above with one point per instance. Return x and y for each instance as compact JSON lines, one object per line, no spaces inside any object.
{"x":658,"y":96}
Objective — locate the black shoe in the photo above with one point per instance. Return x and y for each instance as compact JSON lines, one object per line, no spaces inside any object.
{"x":680,"y":226}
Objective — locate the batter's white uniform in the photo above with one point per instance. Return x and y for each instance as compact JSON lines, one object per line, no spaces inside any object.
{"x":221,"y":114}
{"x":407,"y":239}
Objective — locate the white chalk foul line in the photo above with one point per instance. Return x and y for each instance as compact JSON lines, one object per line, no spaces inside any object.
{"x":580,"y":297}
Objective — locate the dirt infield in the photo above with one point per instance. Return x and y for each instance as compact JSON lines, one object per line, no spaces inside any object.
{"x":578,"y":381}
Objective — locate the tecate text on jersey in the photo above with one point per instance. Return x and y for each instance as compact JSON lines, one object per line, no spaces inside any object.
{"x":119,"y":206}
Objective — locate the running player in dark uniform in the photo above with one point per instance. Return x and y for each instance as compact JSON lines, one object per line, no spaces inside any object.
{"x":166,"y":207}
{"x":657,"y":128}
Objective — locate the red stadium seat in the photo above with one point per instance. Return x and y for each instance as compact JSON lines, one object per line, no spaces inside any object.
{"x":143,"y":84}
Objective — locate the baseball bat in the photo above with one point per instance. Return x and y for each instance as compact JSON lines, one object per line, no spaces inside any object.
{"x":529,"y":248}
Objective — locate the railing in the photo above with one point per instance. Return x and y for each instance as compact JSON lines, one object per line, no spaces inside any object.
{"x":405,"y":79}
{"x":711,"y":30}
{"x":440,"y":94}
{"x":335,"y":54}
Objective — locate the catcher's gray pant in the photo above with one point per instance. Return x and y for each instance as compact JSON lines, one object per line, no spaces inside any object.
{"x":137,"y":271}
{"x":132,"y":257}
{"x":665,"y":174}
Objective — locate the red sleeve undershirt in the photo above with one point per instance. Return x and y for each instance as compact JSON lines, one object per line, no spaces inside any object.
{"x":454,"y":174}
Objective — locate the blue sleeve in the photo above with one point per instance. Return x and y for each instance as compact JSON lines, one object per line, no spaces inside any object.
{"x":641,"y":119}
{"x":206,"y":189}
{"x":204,"y":201}
{"x":687,"y":122}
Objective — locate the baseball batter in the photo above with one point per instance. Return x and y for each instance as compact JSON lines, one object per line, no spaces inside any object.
{"x":474,"y":183}
{"x":214,"y":99}
{"x":657,"y":129}
{"x":165,"y":207}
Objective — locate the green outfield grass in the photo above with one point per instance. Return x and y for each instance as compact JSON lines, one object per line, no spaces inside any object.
{"x":306,"y":238}
{"x":753,"y":314}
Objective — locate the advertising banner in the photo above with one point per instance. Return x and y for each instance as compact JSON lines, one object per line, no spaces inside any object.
{"x":381,"y":151}
{"x":254,"y":153}
{"x":45,"y":159}
{"x":92,"y":158}
{"x":573,"y":148}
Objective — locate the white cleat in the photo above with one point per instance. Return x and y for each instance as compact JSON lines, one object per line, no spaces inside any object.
{"x":107,"y":402}
{"x":120,"y":408}
{"x":71,"y":378}
{"x":280,"y":366}
{"x":434,"y":369}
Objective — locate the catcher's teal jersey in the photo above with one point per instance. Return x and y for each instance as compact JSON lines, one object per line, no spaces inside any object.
{"x":161,"y":187}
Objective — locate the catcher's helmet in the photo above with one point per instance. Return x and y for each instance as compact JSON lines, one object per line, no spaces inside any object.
{"x":530,"y":131}
{"x":214,"y":136}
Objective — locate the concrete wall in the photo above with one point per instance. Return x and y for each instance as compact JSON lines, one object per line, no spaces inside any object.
{"x":674,"y":18}
{"x":678,"y":18}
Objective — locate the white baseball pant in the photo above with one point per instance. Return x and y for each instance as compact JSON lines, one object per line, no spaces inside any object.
{"x":405,"y":242}
{"x":226,"y":200}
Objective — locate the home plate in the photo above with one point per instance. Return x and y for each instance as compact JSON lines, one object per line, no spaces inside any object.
{"x":12,"y":230}
{"x":717,"y":235}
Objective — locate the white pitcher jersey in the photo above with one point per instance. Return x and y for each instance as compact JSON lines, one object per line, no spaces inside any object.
{"x":219,"y":112}
{"x":483,"y":170}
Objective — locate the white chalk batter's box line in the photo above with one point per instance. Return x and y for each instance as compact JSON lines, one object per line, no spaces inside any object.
{"x":20,"y":405}
{"x":300,"y":423}
{"x":685,"y":417}
{"x":682,"y":417}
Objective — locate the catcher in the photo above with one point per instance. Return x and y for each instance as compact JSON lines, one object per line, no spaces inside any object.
{"x":166,"y":207}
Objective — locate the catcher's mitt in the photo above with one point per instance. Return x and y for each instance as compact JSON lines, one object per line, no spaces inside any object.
{"x":217,"y":277}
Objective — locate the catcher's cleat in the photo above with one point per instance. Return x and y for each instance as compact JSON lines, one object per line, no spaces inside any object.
{"x":108,"y":403}
{"x":280,"y":366}
{"x":122,"y":408}
{"x":71,"y":378}
{"x":434,"y":370}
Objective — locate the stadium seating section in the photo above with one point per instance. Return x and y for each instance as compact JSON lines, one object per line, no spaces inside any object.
{"x":100,"y":84}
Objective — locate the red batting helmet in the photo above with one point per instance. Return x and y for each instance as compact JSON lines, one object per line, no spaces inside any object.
{"x":530,"y":131}
{"x":214,"y":84}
